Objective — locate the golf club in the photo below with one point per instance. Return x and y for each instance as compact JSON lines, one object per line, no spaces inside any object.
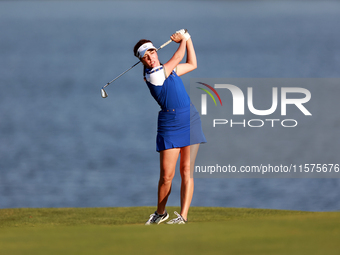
{"x":103,"y":92}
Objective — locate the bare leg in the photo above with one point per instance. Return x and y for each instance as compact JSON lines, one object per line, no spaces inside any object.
{"x":168,"y":160}
{"x":187,"y":164}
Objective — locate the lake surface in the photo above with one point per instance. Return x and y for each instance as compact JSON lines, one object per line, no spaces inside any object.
{"x":62,"y":145}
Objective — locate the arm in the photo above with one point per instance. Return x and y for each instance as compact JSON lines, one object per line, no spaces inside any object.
{"x":191,"y":63}
{"x":179,"y":54}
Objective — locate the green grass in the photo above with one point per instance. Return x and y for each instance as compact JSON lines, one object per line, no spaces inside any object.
{"x":210,"y":231}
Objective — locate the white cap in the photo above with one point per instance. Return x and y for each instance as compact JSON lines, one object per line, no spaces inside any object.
{"x":144,"y":48}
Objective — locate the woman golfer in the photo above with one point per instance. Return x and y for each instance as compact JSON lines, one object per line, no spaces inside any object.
{"x":179,"y":129}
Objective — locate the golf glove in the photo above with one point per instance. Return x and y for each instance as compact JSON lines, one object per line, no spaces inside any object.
{"x":185,"y":33}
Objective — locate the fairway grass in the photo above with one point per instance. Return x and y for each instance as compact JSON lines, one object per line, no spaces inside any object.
{"x":209,"y":231}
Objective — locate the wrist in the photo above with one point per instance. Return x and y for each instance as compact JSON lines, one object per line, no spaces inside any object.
{"x":186,"y":36}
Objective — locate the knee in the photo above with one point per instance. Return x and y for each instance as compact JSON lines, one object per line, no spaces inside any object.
{"x":165,"y":179}
{"x":185,"y":172}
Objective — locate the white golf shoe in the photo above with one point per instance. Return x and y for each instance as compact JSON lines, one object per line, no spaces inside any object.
{"x":156,"y":218}
{"x":178,"y":220}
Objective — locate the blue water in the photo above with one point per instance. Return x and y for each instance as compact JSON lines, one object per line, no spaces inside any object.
{"x":62,"y":145}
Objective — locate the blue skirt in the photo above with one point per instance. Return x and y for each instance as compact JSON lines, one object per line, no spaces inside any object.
{"x":178,"y":128}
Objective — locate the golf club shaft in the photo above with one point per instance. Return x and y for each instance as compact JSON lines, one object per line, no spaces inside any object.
{"x":107,"y":84}
{"x":162,"y":46}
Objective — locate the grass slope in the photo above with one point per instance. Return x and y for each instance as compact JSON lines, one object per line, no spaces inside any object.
{"x":210,"y":231}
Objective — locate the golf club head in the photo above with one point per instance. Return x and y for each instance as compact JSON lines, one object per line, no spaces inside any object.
{"x":103,"y":92}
